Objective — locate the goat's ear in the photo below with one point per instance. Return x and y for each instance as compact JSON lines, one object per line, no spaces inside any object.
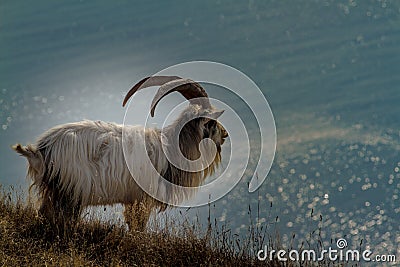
{"x":215,"y":114}
{"x":212,"y":116}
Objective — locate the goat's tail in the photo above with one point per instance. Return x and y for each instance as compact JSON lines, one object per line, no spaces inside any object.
{"x":35,"y":159}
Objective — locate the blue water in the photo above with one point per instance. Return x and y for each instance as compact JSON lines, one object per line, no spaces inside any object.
{"x":329,"y":69}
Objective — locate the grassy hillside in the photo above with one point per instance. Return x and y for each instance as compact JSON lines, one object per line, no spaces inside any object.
{"x":26,"y":240}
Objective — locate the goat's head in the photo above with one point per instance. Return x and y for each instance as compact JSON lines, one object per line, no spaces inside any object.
{"x":193,"y":92}
{"x":204,"y":123}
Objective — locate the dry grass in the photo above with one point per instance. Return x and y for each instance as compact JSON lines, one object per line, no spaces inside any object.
{"x":26,"y":240}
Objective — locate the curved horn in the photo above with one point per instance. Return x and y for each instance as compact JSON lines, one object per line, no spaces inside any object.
{"x":190,"y":89}
{"x":148,"y":82}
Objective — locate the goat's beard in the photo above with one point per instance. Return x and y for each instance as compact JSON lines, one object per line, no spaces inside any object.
{"x":185,"y":178}
{"x":210,"y":170}
{"x":187,"y":145}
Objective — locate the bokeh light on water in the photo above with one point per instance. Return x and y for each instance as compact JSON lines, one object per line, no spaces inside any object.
{"x":329,"y":70}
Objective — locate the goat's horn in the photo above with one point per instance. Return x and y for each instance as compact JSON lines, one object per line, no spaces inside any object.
{"x":190,"y":89}
{"x":148,"y":82}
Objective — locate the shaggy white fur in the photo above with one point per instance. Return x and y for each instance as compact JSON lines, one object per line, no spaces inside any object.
{"x":87,"y":163}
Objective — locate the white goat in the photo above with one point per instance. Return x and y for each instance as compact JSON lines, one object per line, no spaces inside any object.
{"x":79,"y":164}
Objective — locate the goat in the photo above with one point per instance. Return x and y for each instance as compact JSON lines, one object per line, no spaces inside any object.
{"x":75,"y":165}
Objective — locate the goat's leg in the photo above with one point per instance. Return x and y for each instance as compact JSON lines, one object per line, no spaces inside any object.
{"x":46,"y":209}
{"x":59,"y":210}
{"x":137,"y":215}
{"x":69,"y":212}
